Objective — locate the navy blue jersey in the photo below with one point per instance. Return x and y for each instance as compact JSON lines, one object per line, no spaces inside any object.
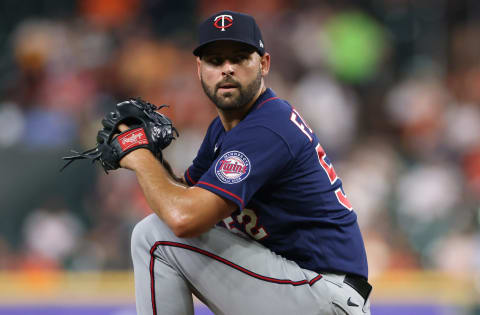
{"x":288,"y":195}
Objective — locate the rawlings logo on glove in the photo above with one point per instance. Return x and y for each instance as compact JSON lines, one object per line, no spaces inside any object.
{"x":148,"y":129}
{"x":132,"y":138}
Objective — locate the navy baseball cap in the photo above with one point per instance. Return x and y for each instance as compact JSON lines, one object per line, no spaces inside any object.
{"x":229,"y":25}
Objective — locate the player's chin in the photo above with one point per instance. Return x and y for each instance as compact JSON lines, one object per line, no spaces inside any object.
{"x":228,"y":103}
{"x":226,"y":97}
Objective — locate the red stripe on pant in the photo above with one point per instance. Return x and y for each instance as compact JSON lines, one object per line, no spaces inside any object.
{"x":219,"y":259}
{"x":152,"y":279}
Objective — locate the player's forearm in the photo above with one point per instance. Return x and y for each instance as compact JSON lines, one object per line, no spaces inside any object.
{"x":171,"y":201}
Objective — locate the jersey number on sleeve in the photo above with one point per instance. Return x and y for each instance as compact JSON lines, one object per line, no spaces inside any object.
{"x":250,"y":220}
{"x":322,"y":158}
{"x":327,"y":167}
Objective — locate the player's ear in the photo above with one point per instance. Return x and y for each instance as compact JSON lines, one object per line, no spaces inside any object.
{"x":265,"y":63}
{"x":199,"y":62}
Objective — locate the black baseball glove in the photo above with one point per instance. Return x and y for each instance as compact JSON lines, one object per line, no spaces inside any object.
{"x":148,"y":129}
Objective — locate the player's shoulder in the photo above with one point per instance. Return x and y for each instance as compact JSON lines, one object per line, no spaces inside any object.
{"x":215,"y":127}
{"x":215,"y":124}
{"x":270,"y":111}
{"x":271,"y":121}
{"x":275,"y":113}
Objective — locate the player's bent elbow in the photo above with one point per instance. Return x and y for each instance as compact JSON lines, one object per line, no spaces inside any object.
{"x":180,"y":231}
{"x":184,"y":227}
{"x":177,"y":225}
{"x":185,"y":232}
{"x":192,"y":217}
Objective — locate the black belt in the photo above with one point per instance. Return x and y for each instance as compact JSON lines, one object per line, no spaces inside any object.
{"x":359,"y":284}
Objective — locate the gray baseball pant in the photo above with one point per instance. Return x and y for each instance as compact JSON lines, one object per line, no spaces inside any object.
{"x":231,"y":274}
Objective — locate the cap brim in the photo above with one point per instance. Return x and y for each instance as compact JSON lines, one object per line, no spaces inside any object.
{"x":197,"y":51}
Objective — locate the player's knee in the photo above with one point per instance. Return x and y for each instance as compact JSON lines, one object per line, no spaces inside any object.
{"x":148,"y":231}
{"x":140,"y":233}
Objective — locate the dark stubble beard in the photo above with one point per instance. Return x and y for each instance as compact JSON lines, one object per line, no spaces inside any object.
{"x":228,"y":101}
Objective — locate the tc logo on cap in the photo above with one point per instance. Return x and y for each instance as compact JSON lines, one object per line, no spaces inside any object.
{"x":222,"y":18}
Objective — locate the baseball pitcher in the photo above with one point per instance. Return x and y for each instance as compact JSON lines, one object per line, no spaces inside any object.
{"x":259,"y":223}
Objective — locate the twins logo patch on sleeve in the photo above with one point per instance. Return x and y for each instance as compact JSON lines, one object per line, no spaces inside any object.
{"x":232,"y":167}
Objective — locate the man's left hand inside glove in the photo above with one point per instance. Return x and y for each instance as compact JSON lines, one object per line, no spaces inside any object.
{"x":147,"y":129}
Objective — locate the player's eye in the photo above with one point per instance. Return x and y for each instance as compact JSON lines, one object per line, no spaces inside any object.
{"x":239,"y":58}
{"x":215,"y":60}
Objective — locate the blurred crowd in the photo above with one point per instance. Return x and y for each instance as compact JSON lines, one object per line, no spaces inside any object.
{"x":392,"y":89}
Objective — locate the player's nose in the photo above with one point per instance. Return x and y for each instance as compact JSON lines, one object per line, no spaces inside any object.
{"x":228,"y":68}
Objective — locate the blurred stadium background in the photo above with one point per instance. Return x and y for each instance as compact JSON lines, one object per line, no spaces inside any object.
{"x":392,"y":88}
